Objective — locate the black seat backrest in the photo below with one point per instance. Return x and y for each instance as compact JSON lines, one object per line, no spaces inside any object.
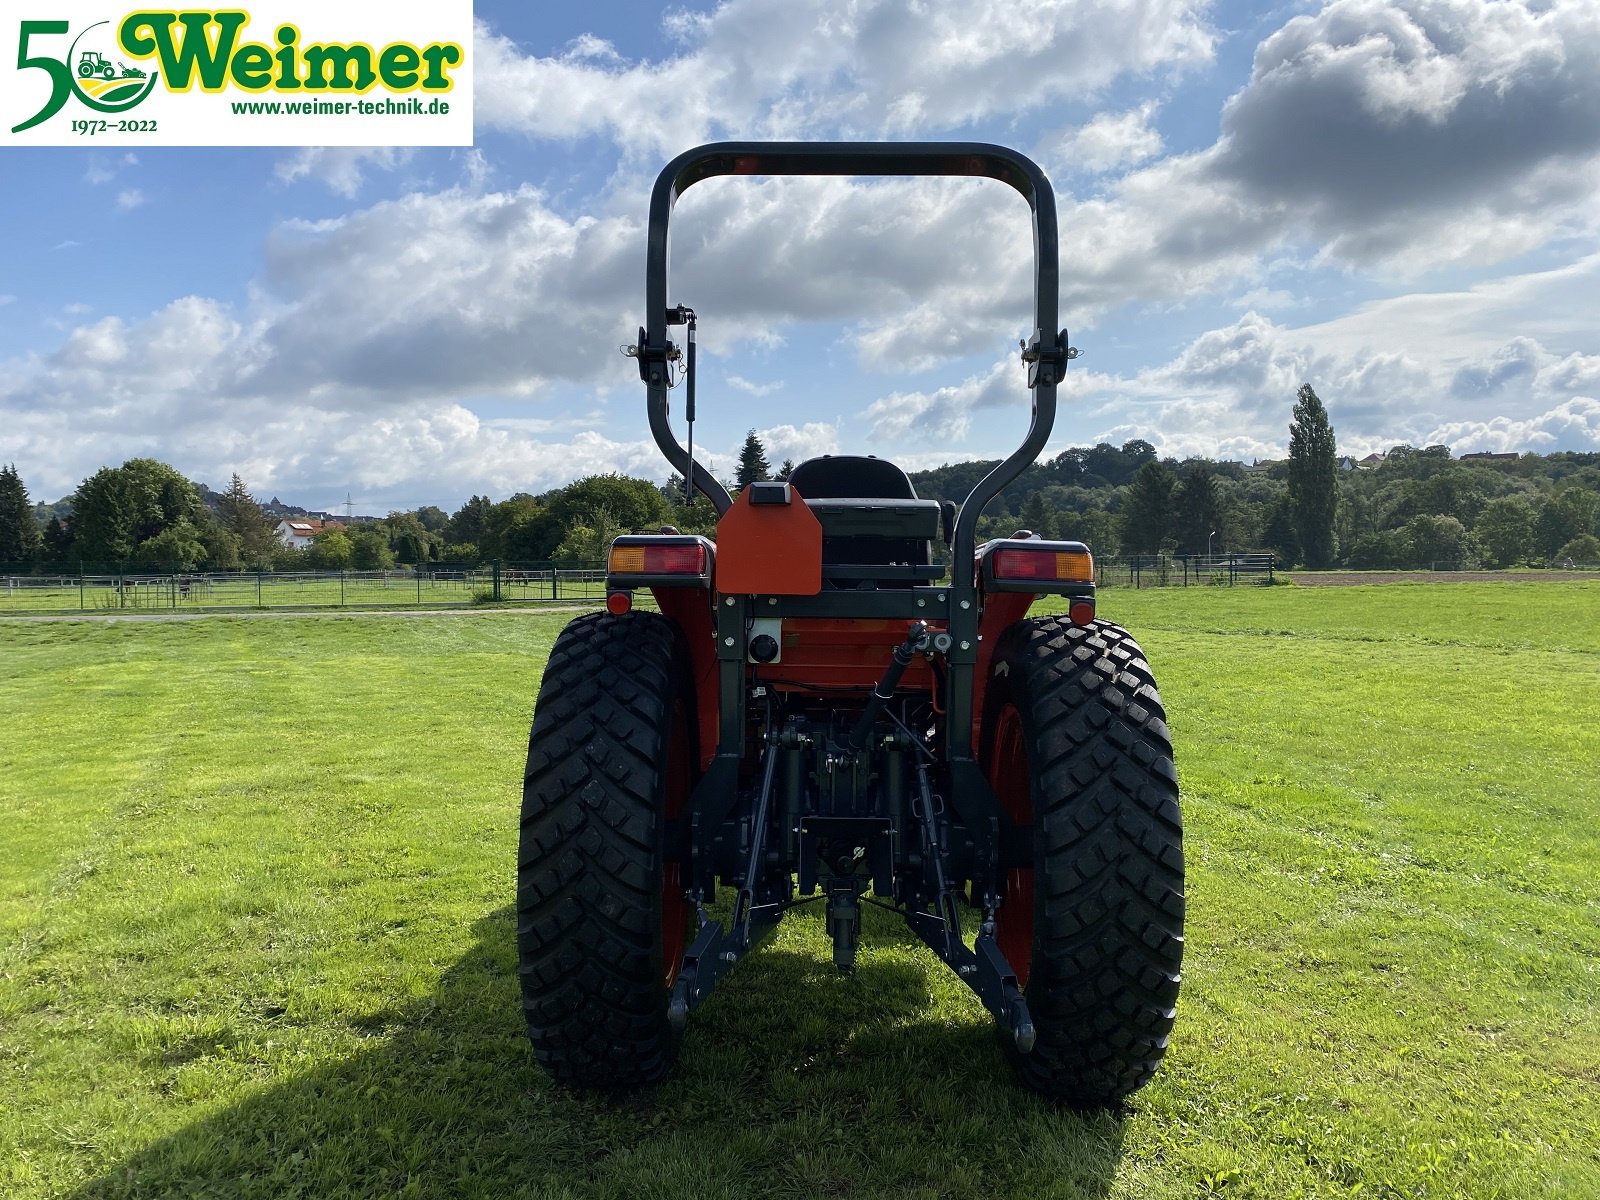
{"x":838,"y":475}
{"x":828,"y":482}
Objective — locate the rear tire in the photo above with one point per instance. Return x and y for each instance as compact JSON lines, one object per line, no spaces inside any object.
{"x":1076,"y":744}
{"x":601,"y":919}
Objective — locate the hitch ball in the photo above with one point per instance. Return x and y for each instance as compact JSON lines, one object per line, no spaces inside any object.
{"x":763,"y":647}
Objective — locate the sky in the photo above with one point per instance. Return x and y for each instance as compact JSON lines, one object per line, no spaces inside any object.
{"x":1398,"y":203}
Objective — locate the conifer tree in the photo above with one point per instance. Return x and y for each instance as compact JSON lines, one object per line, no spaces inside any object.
{"x":753,"y":465}
{"x":19,"y":532}
{"x":1313,"y":478}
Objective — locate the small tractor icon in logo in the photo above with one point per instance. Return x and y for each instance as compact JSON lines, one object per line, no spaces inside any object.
{"x":95,"y":63}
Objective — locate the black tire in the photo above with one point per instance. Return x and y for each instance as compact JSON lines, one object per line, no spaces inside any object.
{"x":1075,"y":742}
{"x":601,"y":920}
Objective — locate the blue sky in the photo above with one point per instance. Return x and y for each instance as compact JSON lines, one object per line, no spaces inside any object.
{"x":1396,"y":202}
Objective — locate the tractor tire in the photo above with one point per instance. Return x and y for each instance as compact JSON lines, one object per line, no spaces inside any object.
{"x":1076,"y":746}
{"x":601,"y":917}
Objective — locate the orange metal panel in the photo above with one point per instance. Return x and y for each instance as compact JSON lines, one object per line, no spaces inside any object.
{"x":821,"y":654}
{"x":769,"y":549}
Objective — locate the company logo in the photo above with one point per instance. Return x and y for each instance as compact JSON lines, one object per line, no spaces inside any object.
{"x":358,"y":71}
{"x":91,"y":71}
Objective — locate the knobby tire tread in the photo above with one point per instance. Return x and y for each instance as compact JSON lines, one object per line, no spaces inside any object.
{"x":1108,"y":857}
{"x":591,"y":852}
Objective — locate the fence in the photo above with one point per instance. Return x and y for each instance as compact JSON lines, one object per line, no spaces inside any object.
{"x":445,"y":585}
{"x":1184,"y":570}
{"x":431,"y":585}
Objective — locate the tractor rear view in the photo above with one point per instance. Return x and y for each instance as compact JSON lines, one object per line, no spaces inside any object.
{"x":814,"y":715}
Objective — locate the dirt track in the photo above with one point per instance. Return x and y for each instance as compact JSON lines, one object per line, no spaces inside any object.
{"x":1350,"y":578}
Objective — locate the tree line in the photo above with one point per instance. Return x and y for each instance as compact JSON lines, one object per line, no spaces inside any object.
{"x":1417,"y":507}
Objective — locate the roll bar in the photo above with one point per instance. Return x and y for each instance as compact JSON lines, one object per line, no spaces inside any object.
{"x":1046,"y":354}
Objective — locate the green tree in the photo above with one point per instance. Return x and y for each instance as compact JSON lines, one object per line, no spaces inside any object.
{"x":1278,"y":533}
{"x":433,"y":518}
{"x":20,"y":542}
{"x":1380,"y":551}
{"x":1197,"y":511}
{"x":1313,"y":478}
{"x":470,"y":522}
{"x":1147,"y":512}
{"x":241,"y":516}
{"x":1095,"y":528}
{"x":785,"y":471}
{"x":117,"y":509}
{"x":369,"y":550}
{"x":1505,"y":531}
{"x":1438,"y":542}
{"x":1038,"y":516}
{"x":1585,"y":548}
{"x":330,"y":550}
{"x":176,"y":548}
{"x":753,"y":465}
{"x":516,"y":530}
{"x":408,"y":538}
{"x":221,"y":545}
{"x":589,"y":542}
{"x":1570,"y":512}
{"x":56,"y":553}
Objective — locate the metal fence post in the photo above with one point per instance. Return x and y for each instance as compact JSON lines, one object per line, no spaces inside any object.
{"x":496,"y":565}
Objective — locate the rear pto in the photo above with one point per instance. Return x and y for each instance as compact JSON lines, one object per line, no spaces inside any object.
{"x":813,"y":715}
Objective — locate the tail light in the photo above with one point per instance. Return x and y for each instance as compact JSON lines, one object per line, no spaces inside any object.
{"x":658,"y":560}
{"x":1043,"y":564}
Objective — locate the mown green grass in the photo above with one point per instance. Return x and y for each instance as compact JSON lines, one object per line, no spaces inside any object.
{"x":255,"y":936}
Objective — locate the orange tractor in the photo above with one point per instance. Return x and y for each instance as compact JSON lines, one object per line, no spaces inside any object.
{"x":816,"y":714}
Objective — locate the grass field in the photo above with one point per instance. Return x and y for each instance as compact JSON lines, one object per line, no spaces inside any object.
{"x":255,"y":936}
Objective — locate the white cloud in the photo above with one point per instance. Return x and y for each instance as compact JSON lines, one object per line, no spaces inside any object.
{"x":1109,"y":141}
{"x":103,"y":168}
{"x":785,"y":68}
{"x":1574,"y":422}
{"x":1406,"y":133}
{"x":798,"y":442}
{"x":130,"y":198}
{"x":740,"y":384}
{"x":341,"y":168}
{"x":945,"y":415}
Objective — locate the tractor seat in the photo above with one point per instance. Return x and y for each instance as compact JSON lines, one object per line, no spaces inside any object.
{"x":875,"y":531}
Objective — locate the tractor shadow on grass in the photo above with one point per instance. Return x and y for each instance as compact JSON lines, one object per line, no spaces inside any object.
{"x":794,"y":1082}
